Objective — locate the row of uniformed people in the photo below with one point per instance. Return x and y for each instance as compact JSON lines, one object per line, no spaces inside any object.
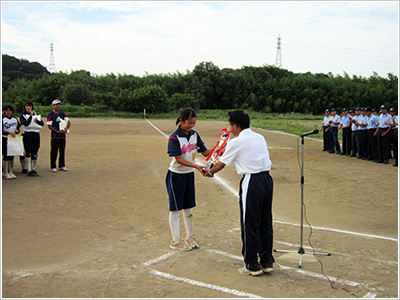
{"x":366,"y":135}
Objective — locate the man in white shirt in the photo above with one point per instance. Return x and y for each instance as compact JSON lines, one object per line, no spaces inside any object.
{"x":249,"y":153}
{"x":325,"y":129}
{"x":382,"y":132}
{"x":334,"y":123}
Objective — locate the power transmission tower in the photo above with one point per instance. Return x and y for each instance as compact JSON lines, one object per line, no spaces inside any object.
{"x":278,"y":62}
{"x":52,"y":67}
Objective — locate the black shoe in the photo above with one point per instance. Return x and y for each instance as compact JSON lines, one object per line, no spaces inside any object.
{"x":353,"y":155}
{"x":342,"y":153}
{"x":380,"y":161}
{"x":32,"y":173}
{"x":364,"y":158}
{"x":395,"y":164}
{"x":331,"y":151}
{"x":324,"y":150}
{"x":24,"y":171}
{"x":386,"y":162}
{"x":375,"y":160}
{"x":359,"y":157}
{"x":337,"y":152}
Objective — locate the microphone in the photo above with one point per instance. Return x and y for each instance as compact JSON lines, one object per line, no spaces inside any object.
{"x":315,"y":131}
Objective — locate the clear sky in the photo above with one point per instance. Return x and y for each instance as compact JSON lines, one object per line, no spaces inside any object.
{"x":135,"y":37}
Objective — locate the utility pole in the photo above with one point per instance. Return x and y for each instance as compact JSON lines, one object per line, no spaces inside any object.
{"x":278,"y":62}
{"x":52,"y":67}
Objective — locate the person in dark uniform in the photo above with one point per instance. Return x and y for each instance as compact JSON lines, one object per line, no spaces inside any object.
{"x":355,"y":135}
{"x":392,"y":112}
{"x":373,"y":122}
{"x":249,"y":152}
{"x":382,"y":132}
{"x":346,"y":136}
{"x":333,"y":132}
{"x":353,"y":145}
{"x":58,"y":135}
{"x":325,"y":129}
{"x":363,"y":134}
{"x":395,"y":140}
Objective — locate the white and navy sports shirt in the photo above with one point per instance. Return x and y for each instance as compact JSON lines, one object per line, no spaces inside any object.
{"x":186,"y":146}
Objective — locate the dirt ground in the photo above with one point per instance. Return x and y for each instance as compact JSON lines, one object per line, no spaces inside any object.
{"x":101,"y":229}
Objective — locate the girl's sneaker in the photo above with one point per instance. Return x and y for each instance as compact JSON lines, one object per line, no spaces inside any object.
{"x":180,"y":245}
{"x":192,"y":242}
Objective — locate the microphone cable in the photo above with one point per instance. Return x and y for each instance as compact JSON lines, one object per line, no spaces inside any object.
{"x":309,"y":236}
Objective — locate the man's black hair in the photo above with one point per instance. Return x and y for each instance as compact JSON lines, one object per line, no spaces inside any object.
{"x":239,"y":118}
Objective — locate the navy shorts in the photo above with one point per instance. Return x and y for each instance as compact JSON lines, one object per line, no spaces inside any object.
{"x":181,"y":191}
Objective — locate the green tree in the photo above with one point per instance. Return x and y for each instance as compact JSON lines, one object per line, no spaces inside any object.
{"x":152,"y":98}
{"x":179,"y":101}
{"x":77,"y":93}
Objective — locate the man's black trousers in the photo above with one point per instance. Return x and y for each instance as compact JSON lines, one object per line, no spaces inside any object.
{"x":255,"y":195}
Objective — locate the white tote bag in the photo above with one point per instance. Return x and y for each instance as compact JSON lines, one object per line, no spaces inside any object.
{"x":15,"y":147}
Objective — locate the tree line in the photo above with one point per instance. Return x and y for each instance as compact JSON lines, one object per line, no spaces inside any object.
{"x":264,"y":89}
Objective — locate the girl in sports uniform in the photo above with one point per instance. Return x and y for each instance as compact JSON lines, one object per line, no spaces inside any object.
{"x":183,"y":144}
{"x":10,"y":127}
{"x":31,"y":139}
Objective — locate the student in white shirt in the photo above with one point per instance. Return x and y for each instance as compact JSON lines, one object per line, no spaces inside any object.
{"x":249,"y":153}
{"x":32,"y":124}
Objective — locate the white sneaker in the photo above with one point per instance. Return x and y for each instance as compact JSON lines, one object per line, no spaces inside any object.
{"x":64,"y":169}
{"x":7,"y":176}
{"x":54,"y":170}
{"x":180,"y":245}
{"x":12,"y":175}
{"x":245,"y":271}
{"x":192,"y":242}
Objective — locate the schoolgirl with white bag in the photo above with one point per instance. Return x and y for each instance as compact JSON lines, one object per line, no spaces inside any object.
{"x":12,"y":142}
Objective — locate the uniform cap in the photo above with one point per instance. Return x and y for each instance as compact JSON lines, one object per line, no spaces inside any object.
{"x":345,"y":109}
{"x":392,"y":109}
{"x":333,"y":109}
{"x":368,"y":108}
{"x":383,"y":106}
{"x":56,"y":102}
{"x":351,"y":111}
{"x":327,"y":110}
{"x":358,"y":108}
{"x":374,"y":109}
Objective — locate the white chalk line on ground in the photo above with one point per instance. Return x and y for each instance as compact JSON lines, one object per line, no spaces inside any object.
{"x":205,"y":285}
{"x":370,"y":295}
{"x":235,"y":192}
{"x":307,"y":273}
{"x":388,"y":262}
{"x":158,"y":259}
{"x":341,"y":231}
{"x":157,"y":129}
{"x":241,"y":293}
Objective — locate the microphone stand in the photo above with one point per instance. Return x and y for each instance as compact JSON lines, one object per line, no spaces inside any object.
{"x":301,"y":249}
